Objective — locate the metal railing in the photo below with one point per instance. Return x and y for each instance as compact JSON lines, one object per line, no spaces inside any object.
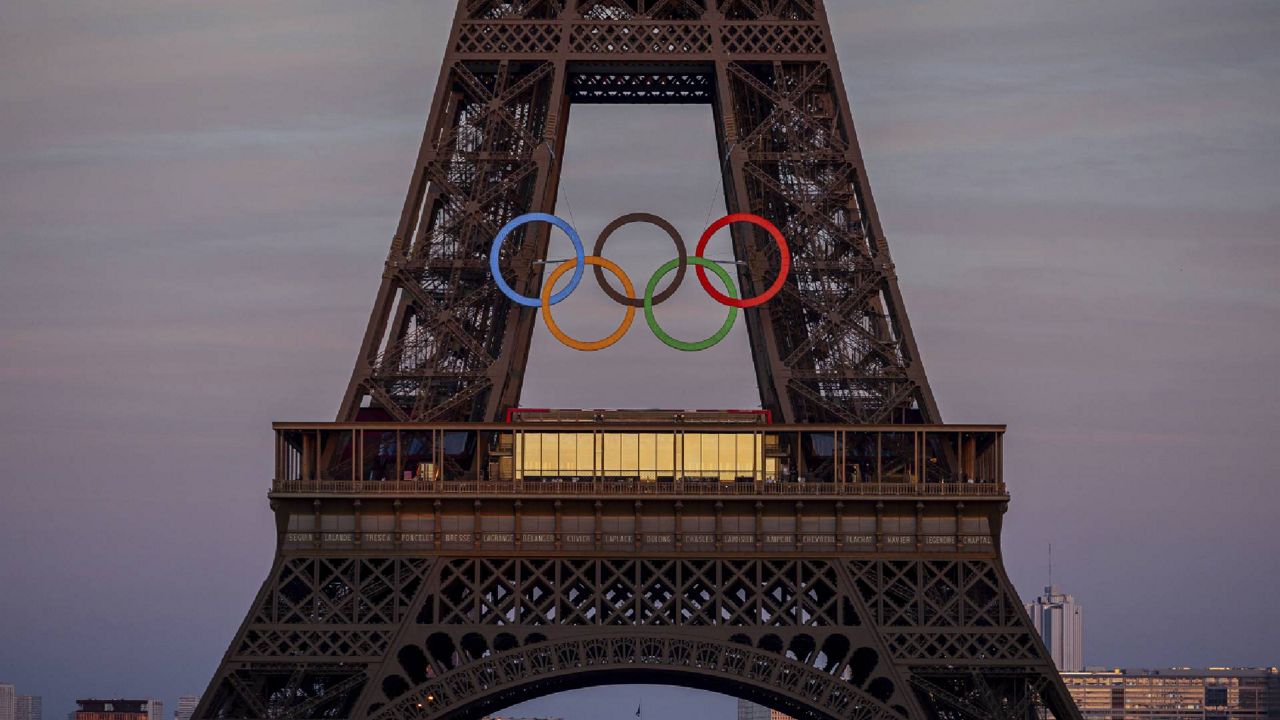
{"x":638,"y":487}
{"x":611,"y":458}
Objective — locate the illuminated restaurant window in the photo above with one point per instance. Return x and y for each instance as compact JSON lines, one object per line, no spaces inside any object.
{"x":650,"y":457}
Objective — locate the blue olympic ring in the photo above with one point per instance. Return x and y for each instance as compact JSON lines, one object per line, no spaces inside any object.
{"x":580,"y":258}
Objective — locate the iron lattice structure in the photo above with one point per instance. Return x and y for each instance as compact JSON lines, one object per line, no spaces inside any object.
{"x":422,"y":571}
{"x":442,"y":343}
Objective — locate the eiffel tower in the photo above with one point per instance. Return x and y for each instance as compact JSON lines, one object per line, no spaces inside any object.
{"x":442,"y":556}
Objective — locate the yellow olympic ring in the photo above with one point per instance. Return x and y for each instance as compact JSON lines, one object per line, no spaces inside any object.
{"x":604,"y":342}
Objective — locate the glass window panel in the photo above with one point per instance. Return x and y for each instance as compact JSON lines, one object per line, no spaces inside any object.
{"x":533,"y":453}
{"x":524,"y":451}
{"x":745,"y":464}
{"x":586,"y":455}
{"x":546,"y":445}
{"x":823,"y":444}
{"x":524,"y":445}
{"x":630,"y":453}
{"x":693,"y":462}
{"x":727,"y":457}
{"x":692,"y":445}
{"x":710,"y":455}
{"x":666,"y":445}
{"x":648,"y":448}
{"x":568,"y":454}
{"x":612,"y":455}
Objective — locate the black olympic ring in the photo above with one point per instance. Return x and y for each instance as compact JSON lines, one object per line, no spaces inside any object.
{"x":652,"y":220}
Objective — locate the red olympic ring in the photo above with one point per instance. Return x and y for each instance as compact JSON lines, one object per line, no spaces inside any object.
{"x":783,"y":251}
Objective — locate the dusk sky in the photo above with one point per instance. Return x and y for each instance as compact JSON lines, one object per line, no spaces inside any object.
{"x":196,"y":199}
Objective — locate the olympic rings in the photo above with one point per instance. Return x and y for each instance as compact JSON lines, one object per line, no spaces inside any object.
{"x":650,"y":298}
{"x":783,"y":252}
{"x":582,"y":344}
{"x":506,"y":230}
{"x":652,"y":220}
{"x":649,"y":302}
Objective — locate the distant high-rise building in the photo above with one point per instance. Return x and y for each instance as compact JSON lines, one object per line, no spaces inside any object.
{"x":155,"y":710}
{"x":752,"y":711}
{"x":1058,"y":619}
{"x":92,"y":709}
{"x":186,"y":707}
{"x":1216,"y":693}
{"x":28,"y":707}
{"x":7,"y":699}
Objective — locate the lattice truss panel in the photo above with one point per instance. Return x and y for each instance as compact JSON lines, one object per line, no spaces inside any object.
{"x":944,"y":611}
{"x":991,"y":694}
{"x":316,"y":628}
{"x":640,"y":9}
{"x":447,"y":332}
{"x":773,"y":39}
{"x":627,"y":592}
{"x":767,"y":9}
{"x":665,"y":28}
{"x":604,"y":87}
{"x":289,"y":691}
{"x":641,"y":38}
{"x":513,"y":9}
{"x":838,"y":336}
{"x":409,"y":637}
{"x":962,"y":632}
{"x":497,"y":630}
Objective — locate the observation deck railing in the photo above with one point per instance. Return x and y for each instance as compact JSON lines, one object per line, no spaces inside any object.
{"x":607,"y":459}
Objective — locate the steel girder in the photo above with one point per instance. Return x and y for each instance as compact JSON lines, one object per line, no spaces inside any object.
{"x":359,"y":633}
{"x":443,"y":344}
{"x":395,"y":636}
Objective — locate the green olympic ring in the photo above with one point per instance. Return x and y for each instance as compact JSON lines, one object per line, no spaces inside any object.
{"x":666,"y":337}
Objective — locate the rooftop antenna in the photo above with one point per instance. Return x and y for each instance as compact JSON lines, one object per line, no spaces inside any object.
{"x":1050,"y":563}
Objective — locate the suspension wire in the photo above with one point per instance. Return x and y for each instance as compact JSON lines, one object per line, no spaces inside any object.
{"x":718,"y":183}
{"x":718,"y":187}
{"x":560,"y":184}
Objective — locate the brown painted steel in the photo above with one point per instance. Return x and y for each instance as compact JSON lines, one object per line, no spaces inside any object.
{"x":413,"y":579}
{"x":682,"y":254}
{"x":443,"y":344}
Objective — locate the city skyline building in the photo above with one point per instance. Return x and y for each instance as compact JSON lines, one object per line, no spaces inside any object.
{"x":1059,"y":620}
{"x":155,"y":709}
{"x":1213,"y":693}
{"x":186,"y":707}
{"x":114,"y":709}
{"x":28,"y":707}
{"x":748,"y":710}
{"x":8,"y":696}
